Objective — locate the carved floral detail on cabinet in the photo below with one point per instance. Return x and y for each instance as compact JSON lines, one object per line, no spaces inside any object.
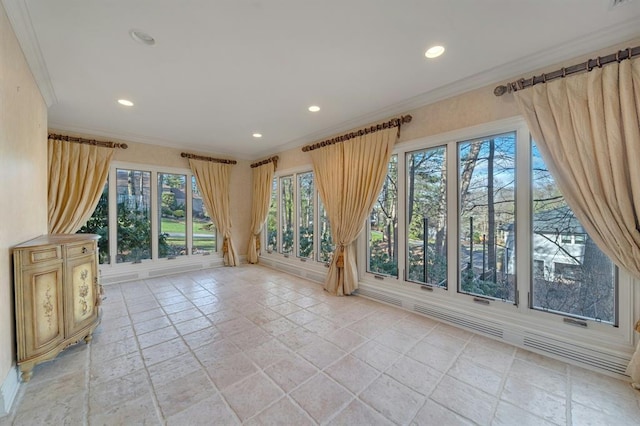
{"x":48,"y":307}
{"x":83,"y":292}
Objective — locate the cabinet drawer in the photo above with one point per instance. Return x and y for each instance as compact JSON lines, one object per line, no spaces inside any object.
{"x":37,"y":256}
{"x":80,"y":249}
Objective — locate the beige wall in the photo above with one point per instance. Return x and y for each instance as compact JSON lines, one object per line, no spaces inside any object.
{"x":23,"y":173}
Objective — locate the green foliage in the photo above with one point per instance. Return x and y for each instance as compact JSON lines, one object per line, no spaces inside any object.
{"x":134,"y":235}
{"x":178,"y":213}
{"x":379,"y":260}
{"x":98,"y":224}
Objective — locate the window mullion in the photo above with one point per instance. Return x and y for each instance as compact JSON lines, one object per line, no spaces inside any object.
{"x":189,"y":212}
{"x":113,"y":215}
{"x":155,"y":225}
{"x":452,"y":219}
{"x":524,"y":246}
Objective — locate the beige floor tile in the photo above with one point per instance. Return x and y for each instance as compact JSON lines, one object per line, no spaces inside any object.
{"x":508,"y":415}
{"x":183,"y":392}
{"x":321,"y":397}
{"x":107,"y":395}
{"x":435,"y":414}
{"x":283,"y":412}
{"x":251,"y":395}
{"x":465,"y":400}
{"x":376,"y":355}
{"x":140,"y":411}
{"x":321,"y":354}
{"x":163,"y":351}
{"x":210,"y":411}
{"x":394,"y":400}
{"x":352,"y":373}
{"x":464,"y":378}
{"x":345,"y":339}
{"x":358,"y":413}
{"x":417,"y":376}
{"x":290,"y":372}
{"x":227,"y":371}
{"x":268,"y":353}
{"x":535,"y":400}
{"x":476,"y":375}
{"x":432,"y":356}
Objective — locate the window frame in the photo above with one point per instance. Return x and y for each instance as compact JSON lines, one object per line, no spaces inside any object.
{"x":113,"y":267}
{"x":519,"y":314}
{"x":312,"y":262}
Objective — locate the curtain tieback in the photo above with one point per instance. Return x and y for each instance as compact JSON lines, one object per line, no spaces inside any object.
{"x":340,"y":259}
{"x":637,"y":327}
{"x":225,"y":245}
{"x":257,"y":243}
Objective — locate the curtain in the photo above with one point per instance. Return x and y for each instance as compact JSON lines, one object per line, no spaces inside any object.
{"x":77,"y":174}
{"x":349,"y":177}
{"x":587,"y":130}
{"x":261,"y":196}
{"x":213,"y":182}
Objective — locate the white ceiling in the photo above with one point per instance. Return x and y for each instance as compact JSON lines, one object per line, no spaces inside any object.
{"x":224,"y":69}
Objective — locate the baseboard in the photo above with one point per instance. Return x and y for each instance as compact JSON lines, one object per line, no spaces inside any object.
{"x":9,"y":390}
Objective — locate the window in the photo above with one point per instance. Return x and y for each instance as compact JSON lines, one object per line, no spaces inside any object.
{"x":172,"y":235}
{"x":286,"y":214}
{"x":382,"y":242}
{"x":133,"y":190}
{"x":203,"y":228}
{"x":426,"y":232}
{"x":583,"y":280}
{"x":98,"y":224}
{"x":306,"y":196}
{"x":150,"y":214}
{"x":272,"y":219}
{"x":466,"y":231}
{"x":324,"y":230}
{"x":487,"y":223}
{"x":298,"y":219}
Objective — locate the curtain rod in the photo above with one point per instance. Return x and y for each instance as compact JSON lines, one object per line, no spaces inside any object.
{"x":88,"y":141}
{"x":213,"y":160}
{"x":587,"y":66}
{"x":273,"y":160}
{"x":394,"y":122}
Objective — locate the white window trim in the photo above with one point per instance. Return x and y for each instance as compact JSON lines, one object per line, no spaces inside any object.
{"x":153,"y":266}
{"x":596,"y":334}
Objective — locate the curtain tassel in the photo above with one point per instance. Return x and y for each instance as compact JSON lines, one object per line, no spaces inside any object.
{"x":258,"y":242}
{"x":340,"y":259}
{"x":225,"y":245}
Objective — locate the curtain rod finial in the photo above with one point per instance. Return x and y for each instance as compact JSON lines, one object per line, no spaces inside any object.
{"x":500,"y":90}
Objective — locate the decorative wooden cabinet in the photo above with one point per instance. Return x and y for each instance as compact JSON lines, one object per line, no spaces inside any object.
{"x":57,"y":296}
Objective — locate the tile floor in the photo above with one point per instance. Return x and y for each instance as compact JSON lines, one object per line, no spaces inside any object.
{"x":250,"y":345}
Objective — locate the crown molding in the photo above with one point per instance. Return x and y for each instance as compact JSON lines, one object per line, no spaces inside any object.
{"x":525,"y":65}
{"x":130,"y":137}
{"x":20,"y":20}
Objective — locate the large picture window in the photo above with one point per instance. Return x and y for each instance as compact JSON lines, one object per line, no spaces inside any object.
{"x":426,"y":232}
{"x":382,"y":241}
{"x":133,"y":190}
{"x":487,"y":221}
{"x":150,"y":214}
{"x":297,"y":222}
{"x":571,"y":275}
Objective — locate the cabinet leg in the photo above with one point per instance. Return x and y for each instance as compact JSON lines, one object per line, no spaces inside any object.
{"x":88,"y":338}
{"x":27,"y":372}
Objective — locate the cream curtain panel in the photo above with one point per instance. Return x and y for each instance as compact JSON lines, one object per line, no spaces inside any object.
{"x":261,"y":196}
{"x":587,"y":129}
{"x":213,"y":181}
{"x":349,"y":177}
{"x":77,"y":174}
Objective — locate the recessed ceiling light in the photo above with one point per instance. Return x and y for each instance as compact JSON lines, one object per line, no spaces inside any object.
{"x":314,"y":108}
{"x":142,"y":37}
{"x":434,"y":52}
{"x":125,"y":102}
{"x":257,"y":135}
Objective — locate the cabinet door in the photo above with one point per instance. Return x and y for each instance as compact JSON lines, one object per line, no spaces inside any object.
{"x":80,"y":294}
{"x":41,"y":318}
